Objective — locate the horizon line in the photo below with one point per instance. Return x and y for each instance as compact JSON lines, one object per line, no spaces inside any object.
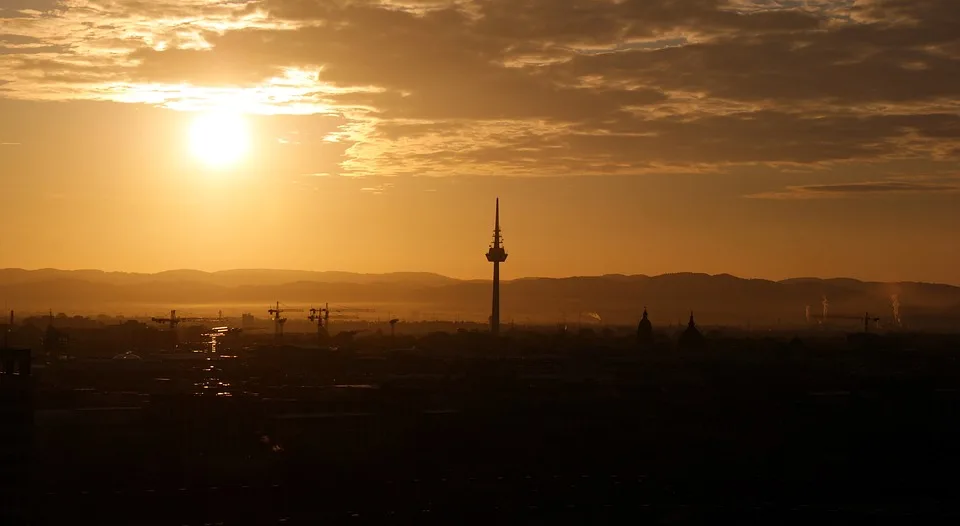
{"x":437,"y":274}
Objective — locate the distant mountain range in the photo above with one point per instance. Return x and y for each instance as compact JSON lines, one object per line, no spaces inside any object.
{"x":716,"y":299}
{"x":223,"y":278}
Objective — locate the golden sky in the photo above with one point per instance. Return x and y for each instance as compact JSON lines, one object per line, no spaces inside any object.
{"x":763,"y":138}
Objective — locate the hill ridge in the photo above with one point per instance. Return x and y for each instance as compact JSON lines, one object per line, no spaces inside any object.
{"x":8,"y":275}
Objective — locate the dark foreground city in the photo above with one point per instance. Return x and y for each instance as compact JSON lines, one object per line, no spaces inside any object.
{"x":535,"y":429}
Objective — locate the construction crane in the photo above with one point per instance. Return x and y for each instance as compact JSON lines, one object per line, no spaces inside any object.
{"x":345,"y":313}
{"x":279,"y":321}
{"x":320,"y":317}
{"x":352,"y":309}
{"x":339,"y":316}
{"x":174,"y":320}
{"x":866,"y":321}
{"x":866,"y":318}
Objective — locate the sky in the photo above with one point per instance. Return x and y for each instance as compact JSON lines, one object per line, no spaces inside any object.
{"x":760,"y":138}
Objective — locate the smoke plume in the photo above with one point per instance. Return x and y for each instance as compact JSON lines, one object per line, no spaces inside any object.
{"x":807,"y":313}
{"x":826,"y":308}
{"x":895,"y":303}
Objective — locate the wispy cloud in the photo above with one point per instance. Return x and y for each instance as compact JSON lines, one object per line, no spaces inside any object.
{"x":846,"y":190}
{"x":377,"y":190}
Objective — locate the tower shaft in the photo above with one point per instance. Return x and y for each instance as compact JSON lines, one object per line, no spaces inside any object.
{"x":495,"y":312}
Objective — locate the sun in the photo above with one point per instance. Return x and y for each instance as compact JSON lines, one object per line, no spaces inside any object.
{"x":219,"y":139}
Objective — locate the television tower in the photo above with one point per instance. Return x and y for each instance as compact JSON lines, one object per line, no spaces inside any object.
{"x":496,"y":255}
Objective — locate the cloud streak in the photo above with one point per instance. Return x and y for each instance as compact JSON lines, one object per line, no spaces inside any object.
{"x":848,"y":190}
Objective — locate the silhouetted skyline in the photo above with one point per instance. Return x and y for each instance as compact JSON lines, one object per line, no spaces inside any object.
{"x":617,"y":299}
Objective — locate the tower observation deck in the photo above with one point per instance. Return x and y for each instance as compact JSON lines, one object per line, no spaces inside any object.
{"x":496,"y":255}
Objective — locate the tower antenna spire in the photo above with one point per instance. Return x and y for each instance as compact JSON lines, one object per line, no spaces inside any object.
{"x":496,"y":231}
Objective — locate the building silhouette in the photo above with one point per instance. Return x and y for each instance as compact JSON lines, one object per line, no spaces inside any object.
{"x":645,"y":330}
{"x":496,"y":255}
{"x":16,"y":439}
{"x":691,"y":337}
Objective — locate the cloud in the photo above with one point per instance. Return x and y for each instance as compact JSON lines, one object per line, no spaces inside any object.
{"x":32,"y":5}
{"x":845,"y":190}
{"x":377,"y":190}
{"x":527,"y":87}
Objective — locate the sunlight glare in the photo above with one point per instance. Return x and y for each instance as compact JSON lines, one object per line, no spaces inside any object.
{"x":219,"y":139}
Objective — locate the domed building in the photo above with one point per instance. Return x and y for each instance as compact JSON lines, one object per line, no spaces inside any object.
{"x":645,"y":330}
{"x":691,"y":337}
